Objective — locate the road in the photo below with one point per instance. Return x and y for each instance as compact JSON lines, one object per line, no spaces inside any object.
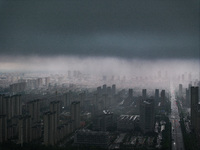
{"x":177,"y":138}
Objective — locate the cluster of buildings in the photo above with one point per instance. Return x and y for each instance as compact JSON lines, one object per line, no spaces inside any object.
{"x":189,"y":98}
{"x":10,"y":110}
{"x":25,"y":84}
{"x":18,"y":87}
{"x":195,"y":111}
{"x":25,"y":123}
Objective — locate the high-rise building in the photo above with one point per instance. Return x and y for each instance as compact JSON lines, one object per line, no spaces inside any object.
{"x":130,"y":93}
{"x":195,"y":111}
{"x":34,"y":110}
{"x":99,"y":90}
{"x":194,"y":103}
{"x":189,"y":88}
{"x":156,"y":95}
{"x":10,"y":105}
{"x":113,"y":89}
{"x":68,"y":99}
{"x":144,"y":93}
{"x":104,"y":90}
{"x":3,"y":128}
{"x":75,"y":113}
{"x":103,"y":121}
{"x":1,"y":104}
{"x":180,"y":91}
{"x":18,"y":105}
{"x":39,"y":82}
{"x":109,"y":91}
{"x":162,"y":95}
{"x":82,"y":97}
{"x":55,"y":106}
{"x":105,"y":101}
{"x":187,"y":98}
{"x":18,"y":87}
{"x":47,"y":81}
{"x":147,"y":115}
{"x":50,"y":137}
{"x":24,"y":129}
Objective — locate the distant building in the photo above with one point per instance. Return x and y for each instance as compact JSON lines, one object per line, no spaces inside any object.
{"x":195,"y":111}
{"x":24,"y":129}
{"x":113,"y":89}
{"x":147,"y":115}
{"x":162,"y":95}
{"x":130,"y":93}
{"x":144,"y":93}
{"x":39,"y":82}
{"x":187,"y":98}
{"x":34,"y":110}
{"x":180,"y":90}
{"x":75,"y":113}
{"x":103,"y":121}
{"x":55,"y":106}
{"x":50,"y":131}
{"x":104,"y":90}
{"x":91,"y":138}
{"x":47,"y":81}
{"x":68,"y":99}
{"x":156,"y":95}
{"x":18,"y":87}
{"x":129,"y":100}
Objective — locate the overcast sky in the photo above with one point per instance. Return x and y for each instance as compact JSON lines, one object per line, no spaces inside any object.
{"x":149,"y":29}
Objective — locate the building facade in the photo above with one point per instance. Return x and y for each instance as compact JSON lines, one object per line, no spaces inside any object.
{"x":147,"y":115}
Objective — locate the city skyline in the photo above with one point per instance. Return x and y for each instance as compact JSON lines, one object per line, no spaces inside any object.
{"x":101,"y":74}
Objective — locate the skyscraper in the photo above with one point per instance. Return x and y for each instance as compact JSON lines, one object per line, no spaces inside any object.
{"x":104,"y":89}
{"x":47,"y":81}
{"x":147,"y":115}
{"x":180,"y":91}
{"x":144,"y":93}
{"x":194,"y":103}
{"x":156,"y":95}
{"x":3,"y":128}
{"x":34,"y":110}
{"x":24,"y":128}
{"x":162,"y":95}
{"x":113,"y":89}
{"x":50,"y":137}
{"x":187,"y":98}
{"x":195,"y":111}
{"x":55,"y":106}
{"x":10,"y":105}
{"x":75,"y":113}
{"x":130,"y":93}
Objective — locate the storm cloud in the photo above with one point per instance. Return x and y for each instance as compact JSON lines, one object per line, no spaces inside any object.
{"x":129,"y":29}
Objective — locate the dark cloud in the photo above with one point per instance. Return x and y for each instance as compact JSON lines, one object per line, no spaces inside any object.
{"x":147,"y":29}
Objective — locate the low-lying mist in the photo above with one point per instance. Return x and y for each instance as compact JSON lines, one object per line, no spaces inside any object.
{"x":99,"y":65}
{"x":142,"y":73}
